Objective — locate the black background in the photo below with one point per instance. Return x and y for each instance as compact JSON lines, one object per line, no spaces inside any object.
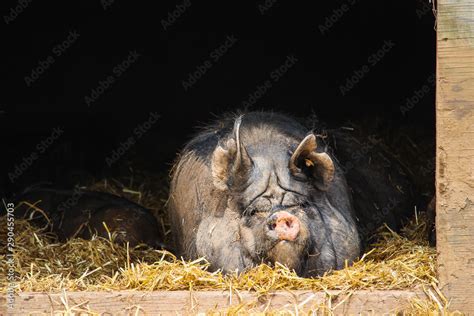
{"x":154,"y":81}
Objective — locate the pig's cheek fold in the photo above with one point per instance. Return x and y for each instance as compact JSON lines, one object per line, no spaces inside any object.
{"x":247,"y":238}
{"x":304,"y":226}
{"x":305,"y":236}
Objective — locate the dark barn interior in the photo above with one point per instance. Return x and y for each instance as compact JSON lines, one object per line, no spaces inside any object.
{"x":371,"y":63}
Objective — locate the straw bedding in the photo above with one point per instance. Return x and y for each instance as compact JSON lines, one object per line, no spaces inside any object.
{"x":394,"y":261}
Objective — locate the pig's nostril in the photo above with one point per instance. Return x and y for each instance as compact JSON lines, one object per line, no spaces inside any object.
{"x":285,"y":225}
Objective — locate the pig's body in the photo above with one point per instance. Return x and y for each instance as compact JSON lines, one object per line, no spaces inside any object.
{"x":381,"y":187}
{"x":259,"y":189}
{"x":81,"y":213}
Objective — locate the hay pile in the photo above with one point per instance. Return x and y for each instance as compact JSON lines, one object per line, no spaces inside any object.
{"x":394,"y":262}
{"x":43,"y":264}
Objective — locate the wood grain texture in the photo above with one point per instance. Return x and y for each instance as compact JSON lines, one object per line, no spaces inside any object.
{"x":455,"y":151}
{"x":184,"y":302}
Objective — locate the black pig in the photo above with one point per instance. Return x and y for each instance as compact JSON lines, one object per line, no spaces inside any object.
{"x":81,"y":213}
{"x":261,"y":188}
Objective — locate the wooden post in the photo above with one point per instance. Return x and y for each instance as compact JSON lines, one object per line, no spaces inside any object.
{"x":455,"y":151}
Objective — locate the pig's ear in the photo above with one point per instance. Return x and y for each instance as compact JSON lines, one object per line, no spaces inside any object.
{"x":306,"y":161}
{"x":231,"y":164}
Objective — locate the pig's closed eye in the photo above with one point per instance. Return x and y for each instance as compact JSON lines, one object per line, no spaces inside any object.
{"x":249,"y":210}
{"x":252,"y":210}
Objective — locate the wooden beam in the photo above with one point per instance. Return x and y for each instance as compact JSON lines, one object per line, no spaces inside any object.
{"x":455,"y":151}
{"x":185,"y":302}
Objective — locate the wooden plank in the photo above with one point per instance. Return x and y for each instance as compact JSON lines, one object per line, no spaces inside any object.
{"x":455,"y":151}
{"x":185,"y":302}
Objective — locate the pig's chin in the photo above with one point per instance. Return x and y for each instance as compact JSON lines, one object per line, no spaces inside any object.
{"x":288,"y":253}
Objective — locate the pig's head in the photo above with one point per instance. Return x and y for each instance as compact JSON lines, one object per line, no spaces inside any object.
{"x":293,"y":203}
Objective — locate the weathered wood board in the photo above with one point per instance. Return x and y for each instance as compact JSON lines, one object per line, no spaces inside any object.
{"x":185,"y":302}
{"x":455,"y":151}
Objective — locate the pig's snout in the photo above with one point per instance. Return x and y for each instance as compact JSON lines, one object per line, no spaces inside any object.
{"x":284,"y":225}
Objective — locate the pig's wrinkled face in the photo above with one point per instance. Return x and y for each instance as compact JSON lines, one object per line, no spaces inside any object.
{"x":286,"y":213}
{"x":277,"y":218}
